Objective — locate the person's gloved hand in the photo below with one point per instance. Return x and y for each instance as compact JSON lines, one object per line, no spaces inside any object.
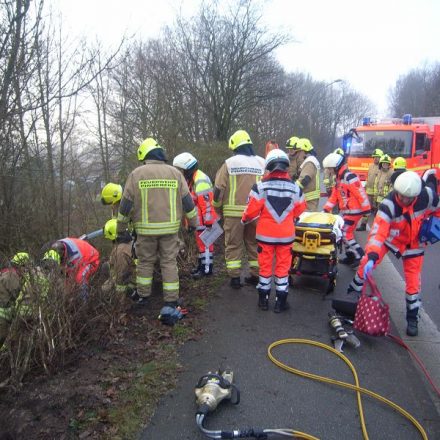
{"x":368,"y":267}
{"x":125,"y":237}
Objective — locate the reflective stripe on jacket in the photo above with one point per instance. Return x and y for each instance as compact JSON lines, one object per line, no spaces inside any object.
{"x":398,"y":227}
{"x":155,"y":197}
{"x":310,"y":167}
{"x":233,"y":182}
{"x":276,"y":202}
{"x":348,"y":194}
{"x":373,"y":171}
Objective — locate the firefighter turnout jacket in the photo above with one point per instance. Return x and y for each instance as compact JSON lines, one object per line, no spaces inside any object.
{"x":233,"y":182}
{"x":382,"y":184}
{"x":348,"y":194}
{"x":373,"y":171}
{"x":155,"y":197}
{"x":308,"y":180}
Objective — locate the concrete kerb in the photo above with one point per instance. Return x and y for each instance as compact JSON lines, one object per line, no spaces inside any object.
{"x":427,"y":344}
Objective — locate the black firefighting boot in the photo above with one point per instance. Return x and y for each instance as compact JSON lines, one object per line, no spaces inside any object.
{"x":281,"y":303}
{"x":235,"y":283}
{"x":348,"y":259}
{"x":412,"y":320}
{"x":263,"y":299}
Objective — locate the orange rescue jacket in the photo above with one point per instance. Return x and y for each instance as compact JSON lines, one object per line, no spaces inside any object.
{"x":276,"y":201}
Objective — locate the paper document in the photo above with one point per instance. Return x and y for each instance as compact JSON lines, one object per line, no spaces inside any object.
{"x":209,"y":235}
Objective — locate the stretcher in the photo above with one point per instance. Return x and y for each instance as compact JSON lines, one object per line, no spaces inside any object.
{"x":318,"y":238}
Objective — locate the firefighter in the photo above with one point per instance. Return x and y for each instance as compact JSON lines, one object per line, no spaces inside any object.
{"x":276,"y":202}
{"x":78,"y":259}
{"x":154,"y":199}
{"x":11,"y":282}
{"x":305,"y":170}
{"x":330,"y":183}
{"x":350,"y":196}
{"x":373,"y":171}
{"x":382,"y":184}
{"x":201,"y":190}
{"x":431,"y":178}
{"x":233,"y":183}
{"x":122,"y":264}
{"x":111,"y":195}
{"x":396,"y":228}
{"x":399,"y":167}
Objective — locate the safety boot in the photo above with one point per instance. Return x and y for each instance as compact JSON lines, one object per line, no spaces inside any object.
{"x":348,"y":259}
{"x":281,"y":303}
{"x":196,"y":273}
{"x":263,"y":300}
{"x":252,"y":280}
{"x":235,"y":283}
{"x":412,"y":319}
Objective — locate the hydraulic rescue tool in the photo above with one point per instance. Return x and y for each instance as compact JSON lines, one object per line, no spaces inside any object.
{"x":343,"y":335}
{"x":211,"y":389}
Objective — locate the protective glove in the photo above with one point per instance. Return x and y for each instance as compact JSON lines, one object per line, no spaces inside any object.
{"x":368,"y":268}
{"x":170,"y":315}
{"x":125,"y":237}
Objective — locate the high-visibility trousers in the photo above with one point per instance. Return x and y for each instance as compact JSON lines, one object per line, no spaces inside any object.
{"x":350,"y":223}
{"x":237,"y":238}
{"x":274,"y":259}
{"x":206,"y":255}
{"x":148,"y":249}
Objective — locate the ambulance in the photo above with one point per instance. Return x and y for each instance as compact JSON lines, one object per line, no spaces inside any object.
{"x":415,"y":139}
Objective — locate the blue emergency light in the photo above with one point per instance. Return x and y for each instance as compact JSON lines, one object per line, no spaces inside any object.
{"x":366,"y":121}
{"x":430,"y":230}
{"x":407,"y":119}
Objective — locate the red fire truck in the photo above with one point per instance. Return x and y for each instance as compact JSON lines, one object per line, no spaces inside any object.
{"x":415,"y":139}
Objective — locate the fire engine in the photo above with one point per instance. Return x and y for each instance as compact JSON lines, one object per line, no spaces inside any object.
{"x":415,"y":139}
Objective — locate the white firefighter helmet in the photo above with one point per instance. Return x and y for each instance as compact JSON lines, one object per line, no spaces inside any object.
{"x":184,"y":161}
{"x":277,"y":159}
{"x":332,"y":160}
{"x":408,"y":184}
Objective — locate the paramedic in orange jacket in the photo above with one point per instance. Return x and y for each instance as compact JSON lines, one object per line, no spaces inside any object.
{"x":201,"y":190}
{"x":353,"y":203}
{"x":396,"y":228}
{"x":276,"y":202}
{"x":79,"y":259}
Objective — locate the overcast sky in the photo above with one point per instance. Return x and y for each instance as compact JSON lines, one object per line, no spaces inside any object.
{"x":367,"y":43}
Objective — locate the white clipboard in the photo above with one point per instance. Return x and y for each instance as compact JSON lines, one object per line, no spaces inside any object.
{"x":209,"y":235}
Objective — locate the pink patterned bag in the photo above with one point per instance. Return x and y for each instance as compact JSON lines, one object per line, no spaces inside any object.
{"x":372,"y":314}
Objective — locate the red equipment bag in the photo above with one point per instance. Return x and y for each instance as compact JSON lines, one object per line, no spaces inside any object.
{"x":372,"y":314}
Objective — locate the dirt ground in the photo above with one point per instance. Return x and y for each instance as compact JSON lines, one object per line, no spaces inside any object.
{"x":108,"y":389}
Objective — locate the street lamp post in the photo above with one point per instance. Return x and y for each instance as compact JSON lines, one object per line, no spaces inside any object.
{"x":312,"y":98}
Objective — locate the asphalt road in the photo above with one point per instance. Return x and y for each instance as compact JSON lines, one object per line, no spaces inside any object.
{"x":237,"y":336}
{"x":430,"y":282}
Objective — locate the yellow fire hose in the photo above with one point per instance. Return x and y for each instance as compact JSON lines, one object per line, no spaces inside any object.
{"x":355,"y":387}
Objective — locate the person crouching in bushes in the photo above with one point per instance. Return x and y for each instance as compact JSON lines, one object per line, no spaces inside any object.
{"x":122,"y":265}
{"x":276,"y":202}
